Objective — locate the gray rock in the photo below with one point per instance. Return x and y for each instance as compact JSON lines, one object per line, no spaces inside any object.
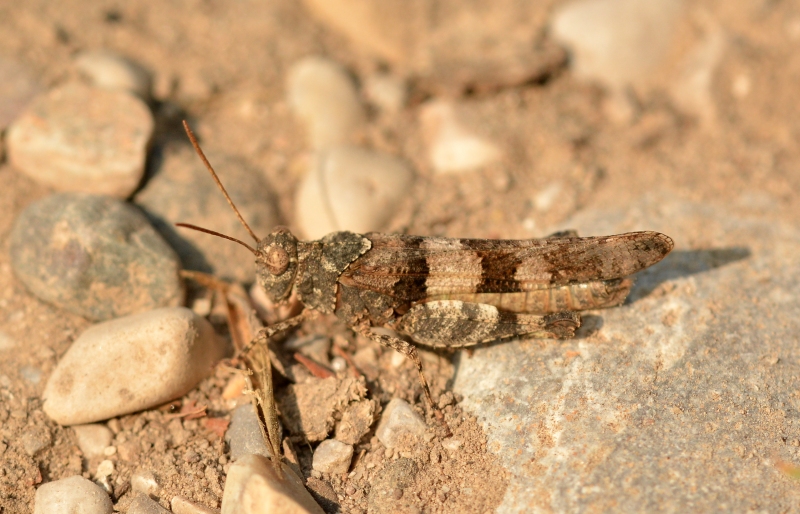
{"x":130,"y":364}
{"x":244,"y":435}
{"x":398,"y":421}
{"x":350,"y":188}
{"x":679,"y":400}
{"x":332,"y":456}
{"x":93,"y":439}
{"x":79,"y":138}
{"x":70,"y":495}
{"x":94,"y":256}
{"x":183,"y":191}
{"x":142,"y":504}
{"x":254,"y":486}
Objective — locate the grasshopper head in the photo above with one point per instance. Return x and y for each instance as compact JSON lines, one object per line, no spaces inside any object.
{"x":276,"y":263}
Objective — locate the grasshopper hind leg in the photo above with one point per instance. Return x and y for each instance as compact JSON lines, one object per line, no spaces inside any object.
{"x":410,"y":351}
{"x":454,"y":324}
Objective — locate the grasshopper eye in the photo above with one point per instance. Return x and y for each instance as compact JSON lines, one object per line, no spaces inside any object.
{"x":277,"y":260}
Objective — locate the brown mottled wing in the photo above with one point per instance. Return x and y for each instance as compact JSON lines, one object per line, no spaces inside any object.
{"x":412,"y":268}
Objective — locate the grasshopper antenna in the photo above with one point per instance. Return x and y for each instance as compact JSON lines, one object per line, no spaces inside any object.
{"x":213,"y":233}
{"x":197,"y":149}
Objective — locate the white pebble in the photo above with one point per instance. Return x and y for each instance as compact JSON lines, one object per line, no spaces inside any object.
{"x":79,"y":138}
{"x":70,"y":495}
{"x":131,"y":363}
{"x":386,"y":92}
{"x":253,"y":487}
{"x":142,"y":504}
{"x":323,"y":96}
{"x":332,"y":456}
{"x":350,"y":188}
{"x":398,"y":421}
{"x":452,"y":444}
{"x":109,"y":70}
{"x":181,"y":505}
{"x":93,"y":439}
{"x":144,"y":481}
{"x":453,"y":148}
{"x":616,"y":42}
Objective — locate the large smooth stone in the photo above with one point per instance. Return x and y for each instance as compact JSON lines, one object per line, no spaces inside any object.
{"x":130,"y":364}
{"x":70,"y":496}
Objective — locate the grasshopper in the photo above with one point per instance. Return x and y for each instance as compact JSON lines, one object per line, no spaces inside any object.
{"x":446,"y":292}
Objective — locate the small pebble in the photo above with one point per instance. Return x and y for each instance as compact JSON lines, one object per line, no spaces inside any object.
{"x":105,"y":469}
{"x":332,"y":457}
{"x":452,"y":444}
{"x":94,"y":256}
{"x":324,"y":97}
{"x":145,"y":482}
{"x":386,"y":92}
{"x":350,"y":188}
{"x":181,"y":505}
{"x":142,"y":504}
{"x":183,"y":191}
{"x":253,"y":486}
{"x":244,"y":434}
{"x":17,"y":88}
{"x":31,"y":374}
{"x":338,"y":364}
{"x":35,"y":440}
{"x":109,"y":70}
{"x":356,"y":421}
{"x":93,"y":439}
{"x":453,"y":148}
{"x":7,"y":342}
{"x":165,"y":353}
{"x":72,"y":495}
{"x":79,"y":138}
{"x":398,"y":421}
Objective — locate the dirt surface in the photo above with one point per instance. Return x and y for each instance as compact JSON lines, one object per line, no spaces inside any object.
{"x":223,"y":65}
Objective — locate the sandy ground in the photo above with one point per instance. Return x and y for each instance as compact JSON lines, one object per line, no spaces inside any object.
{"x":223,"y":65}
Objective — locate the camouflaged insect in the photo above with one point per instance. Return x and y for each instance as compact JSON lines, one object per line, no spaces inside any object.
{"x":449,"y":293}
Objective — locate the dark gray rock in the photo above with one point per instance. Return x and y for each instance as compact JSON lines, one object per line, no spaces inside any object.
{"x":95,"y":256}
{"x":183,"y":191}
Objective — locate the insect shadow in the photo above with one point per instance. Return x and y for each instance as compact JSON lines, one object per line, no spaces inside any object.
{"x":684,"y":263}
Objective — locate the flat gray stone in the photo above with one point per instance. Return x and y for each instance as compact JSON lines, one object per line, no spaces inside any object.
{"x":679,"y":400}
{"x":244,"y":436}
